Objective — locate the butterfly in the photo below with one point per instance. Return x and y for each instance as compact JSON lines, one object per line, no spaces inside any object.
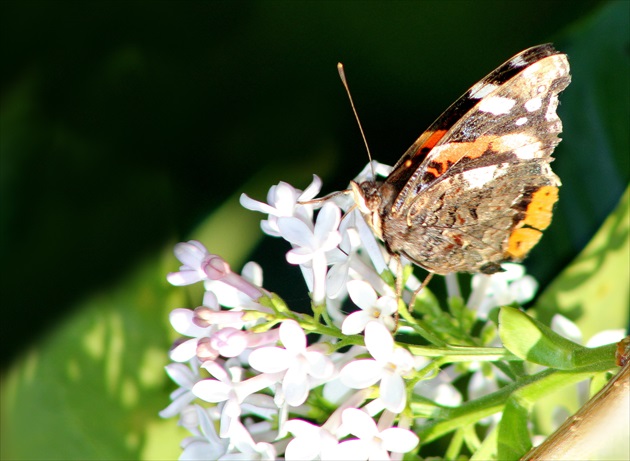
{"x":476,"y":189}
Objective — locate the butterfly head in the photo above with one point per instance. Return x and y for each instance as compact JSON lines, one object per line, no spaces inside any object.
{"x":368,"y":201}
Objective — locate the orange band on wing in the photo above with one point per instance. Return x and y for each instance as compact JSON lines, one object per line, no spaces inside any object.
{"x":433,"y":139}
{"x":537,"y":218}
{"x":449,"y":154}
{"x":521,"y":241}
{"x":539,"y":210}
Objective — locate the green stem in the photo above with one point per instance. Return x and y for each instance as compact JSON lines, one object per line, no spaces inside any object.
{"x":450,"y":354}
{"x":530,"y":388}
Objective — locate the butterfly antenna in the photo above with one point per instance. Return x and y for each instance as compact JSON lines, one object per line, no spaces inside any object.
{"x":342,"y":75}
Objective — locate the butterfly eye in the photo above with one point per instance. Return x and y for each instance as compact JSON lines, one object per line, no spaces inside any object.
{"x":360,"y":198}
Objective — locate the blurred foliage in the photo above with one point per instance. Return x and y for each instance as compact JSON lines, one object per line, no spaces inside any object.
{"x":124,"y":124}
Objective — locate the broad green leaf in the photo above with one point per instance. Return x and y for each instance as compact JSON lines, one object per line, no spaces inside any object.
{"x":532,"y":341}
{"x":514,"y":438}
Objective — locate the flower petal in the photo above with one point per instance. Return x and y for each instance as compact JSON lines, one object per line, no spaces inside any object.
{"x":295,"y":231}
{"x":361,"y":373}
{"x":379,"y":341}
{"x":352,"y":450}
{"x":399,"y":440}
{"x":292,"y":336}
{"x":212,"y":390}
{"x":362,"y":294}
{"x":393,"y":393}
{"x":254,"y":205}
{"x":355,"y":323}
{"x":191,"y":253}
{"x":182,"y":322}
{"x":300,"y":255}
{"x":185,"y":351}
{"x":185,"y":277}
{"x":319,"y":366}
{"x":270,"y":359}
{"x":312,"y":189}
{"x":327,"y":221}
{"x":295,"y":385}
{"x":358,"y":423}
{"x":181,"y":374}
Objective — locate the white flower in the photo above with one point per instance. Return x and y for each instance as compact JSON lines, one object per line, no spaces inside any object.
{"x":199,"y":264}
{"x":340,"y":259}
{"x":182,"y":322}
{"x":243,"y":447}
{"x":228,"y":388}
{"x":372,"y":443}
{"x":185,"y":377}
{"x":310,"y":442}
{"x":380,"y":169}
{"x":231,"y":342}
{"x":501,"y":289}
{"x":389,"y":365}
{"x":373,"y":248}
{"x":231,"y":296}
{"x":606,"y":337}
{"x":311,"y":244}
{"x":283,"y":202}
{"x":216,"y":268}
{"x":192,"y":255}
{"x":300,"y":364}
{"x":371,"y":308}
{"x":566,"y":328}
{"x":206,"y":445}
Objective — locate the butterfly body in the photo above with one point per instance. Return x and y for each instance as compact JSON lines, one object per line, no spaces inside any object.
{"x":476,"y":189}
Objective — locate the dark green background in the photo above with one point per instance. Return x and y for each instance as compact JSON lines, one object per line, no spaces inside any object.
{"x":124,"y":124}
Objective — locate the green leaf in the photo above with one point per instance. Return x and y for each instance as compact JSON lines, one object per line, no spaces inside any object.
{"x":594,"y":290}
{"x":488,"y":449}
{"x":92,"y":389}
{"x":531,"y":340}
{"x":513,"y":440}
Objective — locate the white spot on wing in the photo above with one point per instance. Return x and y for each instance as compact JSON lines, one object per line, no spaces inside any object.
{"x":481,"y":90}
{"x":521,"y":121}
{"x":523,"y":145}
{"x":551,"y":115}
{"x":529,"y":151}
{"x":496,"y":105}
{"x":479,"y":177}
{"x":533,"y":104}
{"x":518,"y":61}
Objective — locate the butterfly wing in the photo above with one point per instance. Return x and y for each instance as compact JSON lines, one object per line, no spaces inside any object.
{"x":485,"y":165}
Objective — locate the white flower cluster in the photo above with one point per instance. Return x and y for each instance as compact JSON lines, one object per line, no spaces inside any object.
{"x":258,"y":381}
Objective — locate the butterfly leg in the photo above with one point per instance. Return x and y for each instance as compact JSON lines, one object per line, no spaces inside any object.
{"x":424,"y":283}
{"x":399,"y":285}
